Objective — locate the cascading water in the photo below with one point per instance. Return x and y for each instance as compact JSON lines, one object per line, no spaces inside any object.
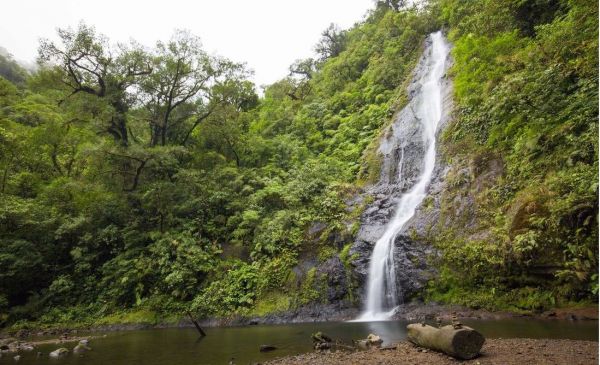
{"x":426,"y":107}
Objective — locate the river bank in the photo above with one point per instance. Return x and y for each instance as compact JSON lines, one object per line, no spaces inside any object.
{"x":183,"y":346}
{"x":494,"y":351}
{"x":416,"y":312}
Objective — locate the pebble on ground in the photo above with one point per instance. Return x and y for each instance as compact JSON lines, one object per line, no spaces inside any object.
{"x":494,"y":352}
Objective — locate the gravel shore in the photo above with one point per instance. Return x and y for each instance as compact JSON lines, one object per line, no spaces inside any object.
{"x":494,"y":351}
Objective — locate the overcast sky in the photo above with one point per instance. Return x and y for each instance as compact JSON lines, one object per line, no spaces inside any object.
{"x":266,"y":34}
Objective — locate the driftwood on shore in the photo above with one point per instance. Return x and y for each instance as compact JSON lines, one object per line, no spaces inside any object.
{"x":461,"y":342}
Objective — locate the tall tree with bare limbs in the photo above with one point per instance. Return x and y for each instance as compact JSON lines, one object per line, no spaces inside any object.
{"x":89,"y":64}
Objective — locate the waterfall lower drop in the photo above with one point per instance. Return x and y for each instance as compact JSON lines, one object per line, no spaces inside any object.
{"x":426,"y":104}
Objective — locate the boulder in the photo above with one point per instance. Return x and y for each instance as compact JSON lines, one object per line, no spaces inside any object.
{"x":61,"y":352}
{"x":81,"y":348}
{"x":372,"y":341}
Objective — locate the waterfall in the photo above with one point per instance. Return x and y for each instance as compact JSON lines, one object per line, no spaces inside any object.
{"x":425,"y":107}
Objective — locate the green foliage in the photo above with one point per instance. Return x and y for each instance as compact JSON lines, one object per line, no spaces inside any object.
{"x":155,"y":180}
{"x":527,"y":122}
{"x":225,"y":295}
{"x":309,"y":292}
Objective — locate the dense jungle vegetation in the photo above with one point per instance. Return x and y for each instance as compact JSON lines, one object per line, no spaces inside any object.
{"x":524,"y":149}
{"x":140,"y":182}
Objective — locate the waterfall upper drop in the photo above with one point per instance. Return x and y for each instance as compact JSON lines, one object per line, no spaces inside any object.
{"x":414,"y":134}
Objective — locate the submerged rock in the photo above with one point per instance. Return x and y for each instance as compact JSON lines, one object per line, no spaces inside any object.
{"x":267,"y":348}
{"x":61,"y":352}
{"x":80,"y":348}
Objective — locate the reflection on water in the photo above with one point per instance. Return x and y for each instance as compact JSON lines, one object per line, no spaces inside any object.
{"x":389,"y":331}
{"x":182,"y":346}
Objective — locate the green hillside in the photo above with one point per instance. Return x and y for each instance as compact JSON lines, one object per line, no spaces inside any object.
{"x":137,"y":183}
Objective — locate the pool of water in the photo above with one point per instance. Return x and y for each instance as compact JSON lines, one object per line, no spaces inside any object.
{"x":183,"y":346}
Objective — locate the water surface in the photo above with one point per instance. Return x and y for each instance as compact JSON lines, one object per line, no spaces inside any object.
{"x":182,"y":346}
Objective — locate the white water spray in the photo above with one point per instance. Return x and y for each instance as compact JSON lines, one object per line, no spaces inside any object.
{"x":382,"y":294}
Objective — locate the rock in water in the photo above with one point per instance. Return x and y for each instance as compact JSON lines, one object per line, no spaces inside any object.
{"x":321,"y":341}
{"x":267,"y":348}
{"x":322,"y":345}
{"x":61,"y":352}
{"x":81,"y":348}
{"x":374,"y":340}
{"x":26,"y":347}
{"x":17,"y":358}
{"x":321,"y":337}
{"x":368,"y":343}
{"x":462,"y":343}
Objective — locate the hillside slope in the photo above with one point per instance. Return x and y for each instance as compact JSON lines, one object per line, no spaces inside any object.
{"x":119,"y":204}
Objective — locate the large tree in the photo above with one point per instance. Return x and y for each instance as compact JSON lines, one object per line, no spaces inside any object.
{"x":332,"y":42}
{"x":179,"y":94}
{"x":88,"y":64}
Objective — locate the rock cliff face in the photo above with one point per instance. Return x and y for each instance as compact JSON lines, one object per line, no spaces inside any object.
{"x":402,"y":150}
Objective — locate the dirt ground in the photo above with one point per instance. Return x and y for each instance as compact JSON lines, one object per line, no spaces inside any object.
{"x":495,"y":351}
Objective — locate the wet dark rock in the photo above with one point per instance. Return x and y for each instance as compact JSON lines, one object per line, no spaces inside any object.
{"x":319,"y":346}
{"x":267,"y":348}
{"x":321,"y":341}
{"x":316,"y":229}
{"x":320,"y":337}
{"x":334,"y":274}
{"x":402,"y":150}
{"x":315,"y":312}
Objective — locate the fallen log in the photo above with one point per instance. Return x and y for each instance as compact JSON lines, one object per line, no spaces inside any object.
{"x":462,"y":342}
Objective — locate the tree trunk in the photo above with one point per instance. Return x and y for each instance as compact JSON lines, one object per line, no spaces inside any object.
{"x":463,"y":343}
{"x":196,"y":324}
